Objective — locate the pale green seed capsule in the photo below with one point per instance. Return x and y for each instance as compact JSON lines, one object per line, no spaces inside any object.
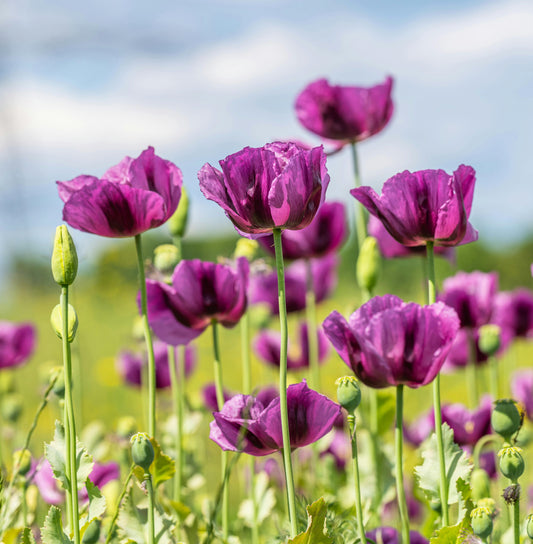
{"x":246,"y":248}
{"x":368,"y":263}
{"x":56,"y":319}
{"x":511,"y":462}
{"x":481,"y":522}
{"x":529,"y":526}
{"x":348,"y":393}
{"x":142,"y":451}
{"x":480,"y":484}
{"x":489,"y":339}
{"x":505,"y":418}
{"x":177,"y":223}
{"x":64,"y":257}
{"x":166,"y":257}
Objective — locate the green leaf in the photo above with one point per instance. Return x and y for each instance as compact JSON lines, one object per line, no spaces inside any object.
{"x":55,"y":453}
{"x":161,"y":469}
{"x":97,"y":504}
{"x":27,"y":536}
{"x":456,"y":462}
{"x":315,"y":533}
{"x":265,"y":500}
{"x":52,"y":532}
{"x":188,"y":520}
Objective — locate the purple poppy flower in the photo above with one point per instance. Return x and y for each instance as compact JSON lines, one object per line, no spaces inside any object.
{"x":522,"y":389}
{"x":264,"y":286}
{"x":47,"y":484}
{"x":389,"y":535}
{"x":345,"y":113}
{"x":266,"y":395}
{"x":279,"y":185}
{"x":209,"y":393}
{"x":101,"y":474}
{"x":471,"y":295}
{"x":460,"y":353}
{"x":416,"y":432}
{"x":311,"y":416}
{"x":391,"y":249}
{"x":130,"y":365}
{"x":268,"y":343}
{"x":201,"y":292}
{"x":132,"y":197}
{"x":390,"y":342}
{"x":17,"y":343}
{"x":324,"y":235}
{"x":429,"y":205}
{"x":468,"y":426}
{"x":513,"y":312}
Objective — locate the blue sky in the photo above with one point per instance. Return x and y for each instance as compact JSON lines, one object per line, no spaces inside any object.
{"x":84,"y":84}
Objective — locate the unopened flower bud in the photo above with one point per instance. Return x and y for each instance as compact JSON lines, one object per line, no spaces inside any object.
{"x":56,"y":319}
{"x":489,"y":339}
{"x":126,"y":427}
{"x":480,"y":484}
{"x":481,"y":522}
{"x":92,"y":533}
{"x":177,"y":224}
{"x":529,"y":526}
{"x":511,"y":462}
{"x":368,"y":262}
{"x":142,"y":451}
{"x":22,"y":459}
{"x":246,"y":248}
{"x":64,"y":257}
{"x":166,"y":257}
{"x":12,"y":406}
{"x":348,"y":393}
{"x":505,"y":418}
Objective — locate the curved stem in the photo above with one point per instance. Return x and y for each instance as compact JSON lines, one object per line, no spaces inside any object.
{"x":70,"y":453}
{"x":287,"y":462}
{"x":400,"y":490}
{"x":148,"y":339}
{"x":357,"y":484}
{"x":480,"y":445}
{"x":432,"y":292}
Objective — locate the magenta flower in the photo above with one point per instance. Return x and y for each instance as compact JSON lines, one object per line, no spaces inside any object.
{"x":209,"y":394}
{"x":417,"y":431}
{"x":429,"y":205}
{"x":47,"y":484}
{"x":389,"y":535}
{"x":130,"y":365}
{"x":522,"y":390}
{"x":468,"y":426}
{"x":201,"y":293}
{"x":264,"y":287}
{"x":267,"y":346}
{"x":513,"y":312}
{"x":388,"y":342}
{"x":471,"y":295}
{"x":17,"y":343}
{"x":311,"y":416}
{"x":391,"y":249}
{"x":325,"y":234}
{"x":459,"y":354}
{"x":280,"y":185}
{"x":345,"y":113}
{"x":132,"y":197}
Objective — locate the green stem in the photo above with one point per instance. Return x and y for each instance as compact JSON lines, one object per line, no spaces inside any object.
{"x":151,"y":507}
{"x":117,"y":508}
{"x":432,"y":293}
{"x":400,"y":489}
{"x":357,"y":483}
{"x":148,"y":339}
{"x":360,"y":219}
{"x":68,"y":494}
{"x":516,"y":520}
{"x":312,"y":335}
{"x":289,"y":478}
{"x":223,"y":454}
{"x":70,"y":452}
{"x":176,"y":380}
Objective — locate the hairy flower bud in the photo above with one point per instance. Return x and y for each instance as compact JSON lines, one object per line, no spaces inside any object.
{"x":142,"y":451}
{"x":22,"y":459}
{"x":480,"y":484}
{"x":489,"y":339}
{"x":64,"y":257}
{"x":368,"y":262}
{"x":56,"y":319}
{"x":348,"y":393}
{"x":511,"y":462}
{"x":505,"y":418}
{"x":177,"y":224}
{"x":166,"y":257}
{"x":481,"y":522}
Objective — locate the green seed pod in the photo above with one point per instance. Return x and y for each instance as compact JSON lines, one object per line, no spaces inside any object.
{"x":505,"y":418}
{"x":480,"y":484}
{"x":481,"y":522}
{"x":348,"y":393}
{"x":368,"y":263}
{"x":529,"y":526}
{"x":92,"y":533}
{"x":56,"y":319}
{"x":177,"y":224}
{"x":142,"y":451}
{"x":64,"y":257}
{"x":489,"y":339}
{"x":22,"y":459}
{"x":511,"y":462}
{"x":126,"y":427}
{"x":246,"y":248}
{"x":166,"y":257}
{"x":12,"y":405}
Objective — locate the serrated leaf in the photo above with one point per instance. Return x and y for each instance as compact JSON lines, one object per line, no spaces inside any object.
{"x":265,"y":500}
{"x":456,"y":462}
{"x":189,"y":521}
{"x":52,"y":532}
{"x":162,"y":468}
{"x":55,"y":453}
{"x":27,"y":536}
{"x":316,"y":532}
{"x":97,"y":503}
{"x":10,"y":510}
